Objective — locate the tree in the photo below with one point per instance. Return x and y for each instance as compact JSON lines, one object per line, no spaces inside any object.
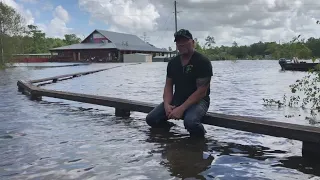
{"x":38,"y":39}
{"x":70,"y":39}
{"x":11,"y":24}
{"x":234,"y":44}
{"x":210,"y":41}
{"x":197,"y":46}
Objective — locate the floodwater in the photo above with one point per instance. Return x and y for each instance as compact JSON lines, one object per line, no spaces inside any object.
{"x":59,"y":139}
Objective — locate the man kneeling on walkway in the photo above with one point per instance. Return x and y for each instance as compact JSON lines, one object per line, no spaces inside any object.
{"x":190,"y":72}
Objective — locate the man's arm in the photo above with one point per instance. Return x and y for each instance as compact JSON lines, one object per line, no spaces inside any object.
{"x":204,"y":73}
{"x":202,"y":88}
{"x":168,"y":91}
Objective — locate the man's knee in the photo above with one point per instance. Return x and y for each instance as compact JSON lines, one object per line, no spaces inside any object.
{"x":192,"y":123}
{"x":151,"y":119}
{"x":155,"y":116}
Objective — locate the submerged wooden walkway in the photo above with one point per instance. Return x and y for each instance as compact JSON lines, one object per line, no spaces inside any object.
{"x":52,"y":66}
{"x":310,"y":136}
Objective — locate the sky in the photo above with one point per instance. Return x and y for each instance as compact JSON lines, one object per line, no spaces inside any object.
{"x":243,"y":21}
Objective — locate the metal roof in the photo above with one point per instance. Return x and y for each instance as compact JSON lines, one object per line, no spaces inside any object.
{"x":119,"y":41}
{"x":138,"y":47}
{"x":87,"y":46}
{"x":40,"y":54}
{"x":119,"y":38}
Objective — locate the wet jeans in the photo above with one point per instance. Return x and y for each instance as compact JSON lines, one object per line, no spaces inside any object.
{"x":192,"y":117}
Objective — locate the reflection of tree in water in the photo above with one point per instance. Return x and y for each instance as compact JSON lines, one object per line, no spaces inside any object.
{"x":184,"y":156}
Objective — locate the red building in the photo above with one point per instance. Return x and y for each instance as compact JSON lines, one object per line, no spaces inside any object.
{"x":105,"y":46}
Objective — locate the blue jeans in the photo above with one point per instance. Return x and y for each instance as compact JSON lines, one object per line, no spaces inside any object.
{"x":192,"y":117}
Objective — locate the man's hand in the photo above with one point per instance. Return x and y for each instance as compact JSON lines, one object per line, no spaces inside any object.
{"x":168,"y":108}
{"x":177,"y":113}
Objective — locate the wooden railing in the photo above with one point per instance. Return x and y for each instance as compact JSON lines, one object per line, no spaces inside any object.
{"x":310,"y":136}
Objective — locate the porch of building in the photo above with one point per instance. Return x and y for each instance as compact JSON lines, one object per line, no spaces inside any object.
{"x":99,"y":55}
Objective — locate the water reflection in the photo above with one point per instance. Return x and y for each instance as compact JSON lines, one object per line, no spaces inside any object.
{"x":184,"y":157}
{"x":192,"y":158}
{"x":306,"y":166}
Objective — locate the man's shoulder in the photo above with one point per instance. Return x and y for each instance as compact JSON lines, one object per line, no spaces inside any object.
{"x":174,"y":60}
{"x":201,"y":58}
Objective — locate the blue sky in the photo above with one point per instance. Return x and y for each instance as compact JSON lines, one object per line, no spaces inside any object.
{"x":43,"y":13}
{"x":81,"y":17}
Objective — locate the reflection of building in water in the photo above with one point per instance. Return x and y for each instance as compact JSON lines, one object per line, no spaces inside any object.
{"x":106,"y":46}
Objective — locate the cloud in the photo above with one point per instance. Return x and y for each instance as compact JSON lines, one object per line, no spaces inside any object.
{"x":123,"y":14}
{"x":25,"y":13}
{"x":30,"y":1}
{"x":58,"y":25}
{"x":61,"y":14}
{"x":245,"y":21}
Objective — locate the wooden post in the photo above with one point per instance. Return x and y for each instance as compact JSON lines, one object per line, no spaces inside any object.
{"x":20,"y":89}
{"x":54,"y":80}
{"x":122,"y":113}
{"x":35,"y":97}
{"x":311,"y":150}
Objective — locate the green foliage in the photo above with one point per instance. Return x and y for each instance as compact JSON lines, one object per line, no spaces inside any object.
{"x":71,"y":39}
{"x":11,"y":21}
{"x":210,"y":41}
{"x":18,"y":39}
{"x":11,"y":24}
{"x":261,"y":50}
{"x":305,"y":92}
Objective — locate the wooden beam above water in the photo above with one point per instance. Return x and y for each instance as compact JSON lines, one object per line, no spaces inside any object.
{"x":310,"y":136}
{"x":249,"y":124}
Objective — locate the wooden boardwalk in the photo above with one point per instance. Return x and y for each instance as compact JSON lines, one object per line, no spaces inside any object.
{"x":68,"y":76}
{"x":310,"y":136}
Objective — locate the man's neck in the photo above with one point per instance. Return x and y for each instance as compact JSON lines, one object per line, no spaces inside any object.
{"x":185,"y":58}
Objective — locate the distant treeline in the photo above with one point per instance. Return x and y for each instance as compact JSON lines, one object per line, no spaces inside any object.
{"x":16,"y":38}
{"x":301,"y":48}
{"x":35,"y":41}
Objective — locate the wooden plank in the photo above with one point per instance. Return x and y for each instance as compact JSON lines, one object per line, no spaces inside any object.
{"x":25,"y":86}
{"x":249,"y":124}
{"x":76,"y":74}
{"x":69,"y":75}
{"x":266,"y":127}
{"x":98,"y":100}
{"x":254,"y":125}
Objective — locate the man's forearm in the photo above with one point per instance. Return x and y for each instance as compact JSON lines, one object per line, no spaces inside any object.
{"x":194,"y":98}
{"x":167,"y":95}
{"x":202,"y":88}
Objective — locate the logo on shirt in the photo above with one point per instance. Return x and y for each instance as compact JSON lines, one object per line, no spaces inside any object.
{"x":188,"y":68}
